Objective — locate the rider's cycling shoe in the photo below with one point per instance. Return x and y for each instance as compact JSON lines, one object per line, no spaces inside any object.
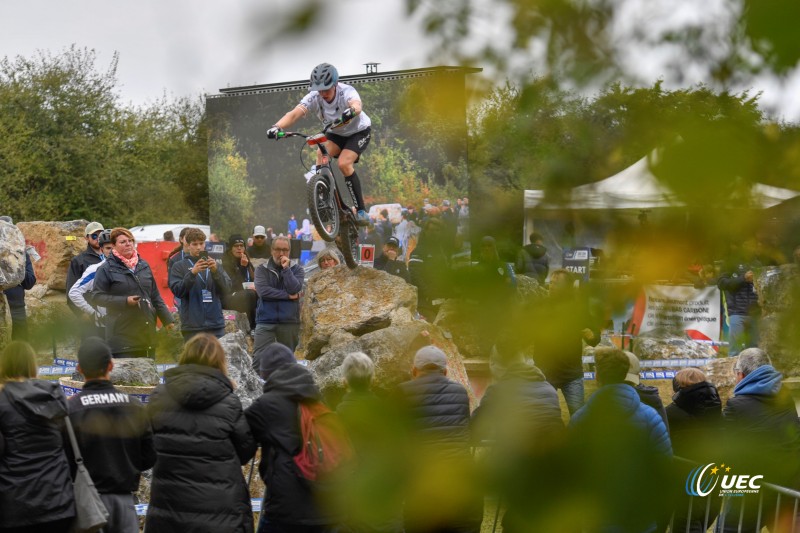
{"x":362,"y":218}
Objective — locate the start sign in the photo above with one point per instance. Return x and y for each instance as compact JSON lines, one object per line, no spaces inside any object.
{"x":367,"y":254}
{"x":577,"y":261}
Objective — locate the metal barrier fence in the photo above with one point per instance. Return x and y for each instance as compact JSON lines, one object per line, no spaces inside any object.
{"x":739,"y":513}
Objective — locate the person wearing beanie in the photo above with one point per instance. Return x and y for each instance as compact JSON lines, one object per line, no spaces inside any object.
{"x":113,"y":434}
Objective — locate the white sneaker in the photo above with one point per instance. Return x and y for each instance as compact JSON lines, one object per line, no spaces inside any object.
{"x":311,"y":173}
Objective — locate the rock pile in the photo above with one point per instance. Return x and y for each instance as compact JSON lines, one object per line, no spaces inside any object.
{"x":372,"y":312}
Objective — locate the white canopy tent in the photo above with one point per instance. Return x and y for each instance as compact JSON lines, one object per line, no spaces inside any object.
{"x":637,"y":188}
{"x":588,"y":209}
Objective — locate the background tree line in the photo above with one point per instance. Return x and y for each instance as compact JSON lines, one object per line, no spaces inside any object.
{"x":70,"y":148}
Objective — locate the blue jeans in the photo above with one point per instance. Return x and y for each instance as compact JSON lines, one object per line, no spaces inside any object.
{"x":742,"y":333}
{"x":573,"y":394}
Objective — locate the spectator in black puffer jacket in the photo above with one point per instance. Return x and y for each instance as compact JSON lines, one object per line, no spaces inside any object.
{"x":290,"y":504}
{"x":125,"y":286}
{"x":202,"y":439}
{"x":35,"y":486}
{"x":444,"y":494}
{"x":695,"y":426}
{"x":520,"y":413}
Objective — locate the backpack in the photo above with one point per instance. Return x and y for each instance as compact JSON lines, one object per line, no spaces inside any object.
{"x":327,"y":449}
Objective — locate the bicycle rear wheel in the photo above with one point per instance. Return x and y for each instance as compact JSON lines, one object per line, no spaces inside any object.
{"x":322,"y":205}
{"x":347,"y":241}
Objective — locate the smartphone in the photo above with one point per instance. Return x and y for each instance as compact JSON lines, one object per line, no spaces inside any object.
{"x":204,"y":255}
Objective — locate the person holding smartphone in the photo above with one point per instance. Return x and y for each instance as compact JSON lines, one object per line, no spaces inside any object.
{"x":201,"y":285}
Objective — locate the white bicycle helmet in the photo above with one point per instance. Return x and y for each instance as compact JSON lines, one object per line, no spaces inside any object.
{"x":323,"y":77}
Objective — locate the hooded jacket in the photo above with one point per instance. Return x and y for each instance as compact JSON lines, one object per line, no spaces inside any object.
{"x":762,"y":416}
{"x":533,"y":261}
{"x":202,"y":439}
{"x":275,"y":423}
{"x":129,"y":329}
{"x":35,"y":483}
{"x":615,"y":440}
{"x":695,"y":420}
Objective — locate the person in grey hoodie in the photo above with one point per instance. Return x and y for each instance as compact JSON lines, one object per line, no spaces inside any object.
{"x":35,"y":486}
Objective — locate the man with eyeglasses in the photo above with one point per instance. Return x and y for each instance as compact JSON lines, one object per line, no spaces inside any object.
{"x":91,"y":256}
{"x":278,"y":284}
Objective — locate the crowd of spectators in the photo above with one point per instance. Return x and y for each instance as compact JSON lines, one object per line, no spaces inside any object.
{"x":608,"y":467}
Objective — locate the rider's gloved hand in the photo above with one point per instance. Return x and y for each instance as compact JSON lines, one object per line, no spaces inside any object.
{"x":273,"y":132}
{"x":348,"y":114}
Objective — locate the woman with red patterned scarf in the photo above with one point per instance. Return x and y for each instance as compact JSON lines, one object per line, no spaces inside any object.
{"x":125,"y":286}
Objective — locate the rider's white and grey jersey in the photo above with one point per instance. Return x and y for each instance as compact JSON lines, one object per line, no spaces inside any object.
{"x":328,"y":112}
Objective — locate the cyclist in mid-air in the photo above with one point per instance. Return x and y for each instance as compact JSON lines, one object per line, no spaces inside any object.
{"x":330,"y":100}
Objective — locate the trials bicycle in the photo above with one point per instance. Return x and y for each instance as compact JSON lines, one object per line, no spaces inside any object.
{"x":334,"y":219}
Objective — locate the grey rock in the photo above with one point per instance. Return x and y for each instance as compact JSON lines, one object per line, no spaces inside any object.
{"x":665,"y":345}
{"x":12,"y":256}
{"x":720,"y":373}
{"x":777,"y":288}
{"x":457,"y":319}
{"x":392,"y":350}
{"x":236,"y":321}
{"x":356,"y":301}
{"x":248,"y":386}
{"x":5,"y":322}
{"x":138,"y":372}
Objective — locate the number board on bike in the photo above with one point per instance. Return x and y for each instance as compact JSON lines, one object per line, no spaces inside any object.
{"x":367,"y":254}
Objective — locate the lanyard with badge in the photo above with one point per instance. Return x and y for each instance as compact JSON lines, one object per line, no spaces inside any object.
{"x":208,"y":297}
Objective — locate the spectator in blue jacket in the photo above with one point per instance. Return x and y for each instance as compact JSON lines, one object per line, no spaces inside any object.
{"x":201,"y":285}
{"x":278,"y":284}
{"x":620,"y":454}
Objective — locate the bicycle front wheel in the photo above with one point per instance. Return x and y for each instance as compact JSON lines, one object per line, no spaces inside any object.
{"x":348,"y":243}
{"x":322,"y":205}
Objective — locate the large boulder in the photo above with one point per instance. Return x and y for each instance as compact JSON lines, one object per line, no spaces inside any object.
{"x":392,"y":350}
{"x":12,"y":256}
{"x":57,"y":243}
{"x":240,"y":369}
{"x":720,"y":373}
{"x":356,"y":301}
{"x":372,"y":312}
{"x":50,"y":321}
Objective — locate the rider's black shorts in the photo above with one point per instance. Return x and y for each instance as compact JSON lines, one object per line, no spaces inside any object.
{"x":357,"y":142}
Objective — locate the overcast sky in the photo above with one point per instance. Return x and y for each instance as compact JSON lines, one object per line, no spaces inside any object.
{"x":184,"y":48}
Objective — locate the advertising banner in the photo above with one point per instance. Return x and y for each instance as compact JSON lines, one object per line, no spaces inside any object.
{"x":695,"y":311}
